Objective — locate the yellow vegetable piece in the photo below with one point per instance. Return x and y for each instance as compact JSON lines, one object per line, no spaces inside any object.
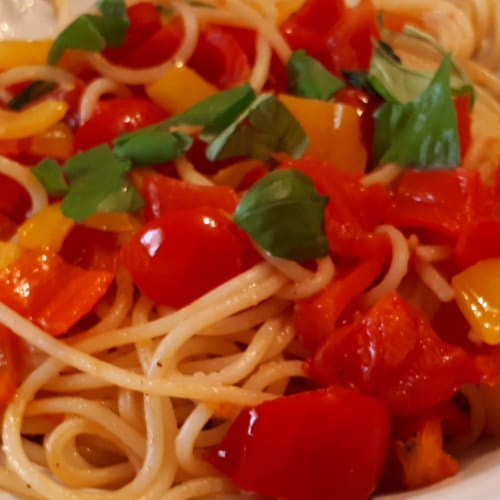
{"x":477,"y":295}
{"x":9,"y":252}
{"x":56,"y":142}
{"x":233,"y":175}
{"x":22,"y":53}
{"x":334,"y":131}
{"x":114,"y":222}
{"x":287,"y":7}
{"x":47,"y":229}
{"x":179,"y":89}
{"x":32,"y":120}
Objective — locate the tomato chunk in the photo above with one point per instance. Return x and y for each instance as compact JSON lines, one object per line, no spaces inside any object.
{"x":183,"y":254}
{"x":114,"y":117}
{"x":163,"y":194}
{"x":393,"y":353}
{"x":328,"y":443}
{"x":50,"y":292}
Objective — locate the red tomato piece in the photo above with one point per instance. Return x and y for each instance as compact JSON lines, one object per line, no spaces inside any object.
{"x":440,"y":202}
{"x":7,"y":227}
{"x":479,"y":239}
{"x":251,"y":177}
{"x":220,"y":59}
{"x":462,"y":110}
{"x":353,"y":211}
{"x":91,"y":248}
{"x":114,"y":117}
{"x":11,"y":364}
{"x":50,"y":292}
{"x":308,"y":446}
{"x":159,"y":47}
{"x":145,"y":20}
{"x":163,"y":194}
{"x":14,"y":200}
{"x":350,"y":40}
{"x":392,"y":353}
{"x":183,"y":254}
{"x":316,"y":318}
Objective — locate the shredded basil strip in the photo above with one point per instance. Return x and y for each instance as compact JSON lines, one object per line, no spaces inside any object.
{"x":307,"y":77}
{"x":49,"y":173}
{"x":285,"y":215}
{"x":93,"y":33}
{"x":422,"y":133}
{"x":31,"y":93}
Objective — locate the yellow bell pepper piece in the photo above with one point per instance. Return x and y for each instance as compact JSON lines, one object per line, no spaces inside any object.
{"x":113,"y":222}
{"x":287,"y":7}
{"x":179,"y":89}
{"x":15,"y":53}
{"x":9,"y":252}
{"x":333,"y":129}
{"x":477,"y":295}
{"x":47,"y":229}
{"x":31,"y":121}
{"x":56,"y":142}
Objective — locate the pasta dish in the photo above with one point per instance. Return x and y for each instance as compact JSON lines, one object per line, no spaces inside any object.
{"x":249,"y":248}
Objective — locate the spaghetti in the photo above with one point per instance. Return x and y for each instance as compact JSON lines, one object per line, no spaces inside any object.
{"x":133,"y":387}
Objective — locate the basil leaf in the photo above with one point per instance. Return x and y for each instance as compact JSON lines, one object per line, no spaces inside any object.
{"x":93,"y":33}
{"x":422,"y":133}
{"x":31,"y":93}
{"x":153,"y":146}
{"x":51,"y":177}
{"x":266,"y":128}
{"x":285,"y":215}
{"x":307,"y":77}
{"x":97,"y":183}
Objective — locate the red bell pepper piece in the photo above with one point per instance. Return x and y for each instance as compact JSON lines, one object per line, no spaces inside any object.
{"x":51,"y":292}
{"x":353,"y":211}
{"x":11,"y":364}
{"x":328,"y":443}
{"x":163,"y":194}
{"x":393,"y":353}
{"x":316,"y":318}
{"x":440,"y":202}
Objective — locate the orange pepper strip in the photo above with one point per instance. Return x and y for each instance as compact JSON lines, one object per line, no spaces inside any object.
{"x":49,"y":291}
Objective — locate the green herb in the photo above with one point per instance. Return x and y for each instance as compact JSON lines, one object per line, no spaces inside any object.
{"x":93,"y":33}
{"x":265,"y":128}
{"x":307,"y":77}
{"x":96,"y":183}
{"x":152,"y":147}
{"x":422,"y":133}
{"x":284,"y":214}
{"x":31,"y":93}
{"x":49,"y":173}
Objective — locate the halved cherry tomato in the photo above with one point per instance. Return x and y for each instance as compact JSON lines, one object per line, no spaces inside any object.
{"x":328,"y":443}
{"x":219,"y":58}
{"x":116,"y":116}
{"x":183,"y":254}
{"x":11,"y":364}
{"x":163,"y":194}
{"x":393,"y":353}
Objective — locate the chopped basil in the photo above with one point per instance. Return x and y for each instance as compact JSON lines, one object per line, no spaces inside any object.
{"x":31,"y":93}
{"x":284,"y":214}
{"x":266,"y":127}
{"x":93,"y":33}
{"x":421,"y":133}
{"x":307,"y":77}
{"x":49,"y":173}
{"x":96,"y":183}
{"x":152,"y":147}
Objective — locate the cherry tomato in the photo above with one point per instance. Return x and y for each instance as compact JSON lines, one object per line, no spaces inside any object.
{"x":317,"y":445}
{"x":116,"y":116}
{"x":183,"y":254}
